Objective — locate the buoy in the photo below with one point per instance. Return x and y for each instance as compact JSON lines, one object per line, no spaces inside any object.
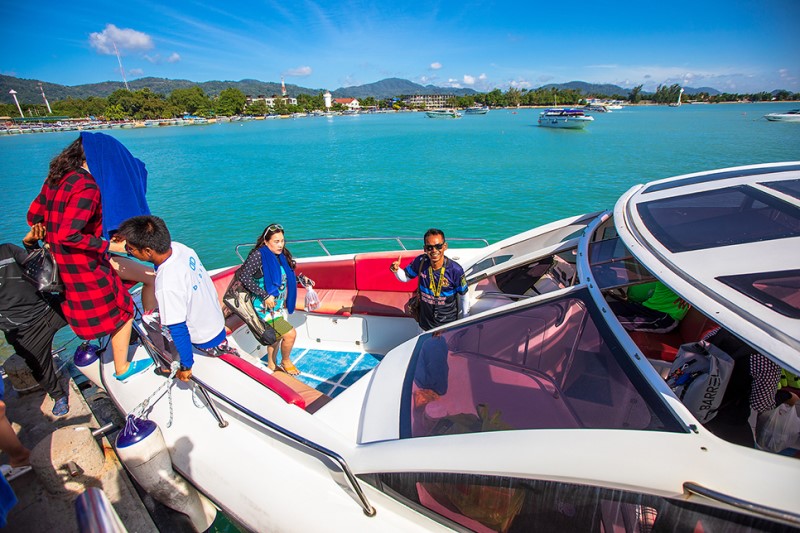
{"x":142,"y":449}
{"x":87,"y":360}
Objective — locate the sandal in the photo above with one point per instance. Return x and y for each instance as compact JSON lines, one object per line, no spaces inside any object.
{"x":289,"y":368}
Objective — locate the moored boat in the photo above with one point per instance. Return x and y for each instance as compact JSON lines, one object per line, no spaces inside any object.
{"x":538,"y":411}
{"x":477,"y":110}
{"x":443,"y":113}
{"x":789,"y":116}
{"x":569,"y":118}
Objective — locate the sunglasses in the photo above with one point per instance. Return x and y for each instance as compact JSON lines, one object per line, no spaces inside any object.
{"x":430,"y":247}
{"x":274,"y":228}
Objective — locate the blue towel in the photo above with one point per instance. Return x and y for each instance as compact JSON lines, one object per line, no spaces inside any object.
{"x":121,"y":177}
{"x":272,"y":276}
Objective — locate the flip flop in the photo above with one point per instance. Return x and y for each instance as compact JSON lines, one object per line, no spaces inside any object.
{"x":13,"y":472}
{"x":289,"y":368}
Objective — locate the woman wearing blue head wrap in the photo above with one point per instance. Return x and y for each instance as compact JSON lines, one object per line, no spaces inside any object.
{"x":122,"y":179}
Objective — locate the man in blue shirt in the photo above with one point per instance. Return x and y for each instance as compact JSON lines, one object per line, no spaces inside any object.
{"x":442,"y":283}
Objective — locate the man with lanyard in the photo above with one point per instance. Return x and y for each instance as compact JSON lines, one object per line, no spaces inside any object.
{"x":442,"y":283}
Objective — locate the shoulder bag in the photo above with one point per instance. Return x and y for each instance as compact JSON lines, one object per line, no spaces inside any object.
{"x":40,"y":269}
{"x":239,"y":300}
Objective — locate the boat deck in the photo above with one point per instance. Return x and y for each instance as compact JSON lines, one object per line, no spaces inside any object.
{"x":322,"y":369}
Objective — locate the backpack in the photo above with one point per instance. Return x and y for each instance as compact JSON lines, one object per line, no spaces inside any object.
{"x":699,"y":376}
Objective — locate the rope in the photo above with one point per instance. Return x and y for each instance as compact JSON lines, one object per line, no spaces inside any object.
{"x":140,"y":410}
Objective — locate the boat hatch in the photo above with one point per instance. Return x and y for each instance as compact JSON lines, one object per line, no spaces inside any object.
{"x":721,"y":217}
{"x":555,"y":365}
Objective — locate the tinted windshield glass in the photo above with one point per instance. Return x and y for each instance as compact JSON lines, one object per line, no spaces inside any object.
{"x":613,"y":265}
{"x":527,"y":246}
{"x":779,"y":291}
{"x":723,"y":217}
{"x":790,"y":187}
{"x":555,"y":365}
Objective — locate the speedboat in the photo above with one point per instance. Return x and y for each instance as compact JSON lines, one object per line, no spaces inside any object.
{"x":538,"y":411}
{"x":477,"y":110}
{"x":564,"y":117}
{"x":443,"y":113}
{"x":789,"y":116}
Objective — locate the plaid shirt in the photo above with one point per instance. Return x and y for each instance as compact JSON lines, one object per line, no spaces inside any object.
{"x":97,"y":302}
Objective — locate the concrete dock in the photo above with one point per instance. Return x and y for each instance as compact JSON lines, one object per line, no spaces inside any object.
{"x":47,"y":494}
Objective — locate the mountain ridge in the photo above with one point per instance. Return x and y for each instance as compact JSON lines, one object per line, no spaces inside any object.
{"x":28,"y":91}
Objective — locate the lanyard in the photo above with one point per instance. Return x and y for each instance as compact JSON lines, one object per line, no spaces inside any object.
{"x":437,"y":290}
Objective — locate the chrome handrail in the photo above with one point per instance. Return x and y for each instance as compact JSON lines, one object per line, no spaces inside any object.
{"x":155,"y":352}
{"x":769,"y":512}
{"x":95,"y":513}
{"x":321,"y":242}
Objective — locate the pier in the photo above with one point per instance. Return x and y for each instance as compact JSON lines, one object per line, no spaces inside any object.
{"x":62,"y":469}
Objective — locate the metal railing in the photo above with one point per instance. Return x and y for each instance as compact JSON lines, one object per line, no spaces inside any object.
{"x":396,"y":239}
{"x":762,"y":510}
{"x":95,"y":513}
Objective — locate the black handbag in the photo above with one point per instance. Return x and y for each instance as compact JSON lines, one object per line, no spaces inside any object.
{"x":240,"y":302}
{"x":40,"y":269}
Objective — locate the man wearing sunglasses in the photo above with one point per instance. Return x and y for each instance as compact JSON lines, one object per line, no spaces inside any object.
{"x":442,"y":284}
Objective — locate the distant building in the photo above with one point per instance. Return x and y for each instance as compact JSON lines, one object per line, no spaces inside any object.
{"x":327,"y":96}
{"x":270,"y":100}
{"x":349,"y":103}
{"x":428,"y":101}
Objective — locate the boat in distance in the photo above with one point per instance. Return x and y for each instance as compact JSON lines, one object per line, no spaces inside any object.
{"x":443,"y":113}
{"x":476,"y":110}
{"x":538,"y":411}
{"x":564,"y":117}
{"x":789,"y":116}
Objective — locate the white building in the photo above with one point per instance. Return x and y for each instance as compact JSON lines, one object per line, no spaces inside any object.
{"x":271,"y":100}
{"x":349,"y":103}
{"x":428,"y":101}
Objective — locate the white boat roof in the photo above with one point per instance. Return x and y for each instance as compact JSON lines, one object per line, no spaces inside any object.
{"x":727,"y":241}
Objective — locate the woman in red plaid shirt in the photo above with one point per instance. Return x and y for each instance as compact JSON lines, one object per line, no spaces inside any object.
{"x":96,"y":301}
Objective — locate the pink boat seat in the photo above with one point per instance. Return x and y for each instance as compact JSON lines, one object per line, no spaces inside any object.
{"x":664,"y":346}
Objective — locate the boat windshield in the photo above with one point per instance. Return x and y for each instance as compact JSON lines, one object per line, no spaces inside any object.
{"x":529,"y":245}
{"x":555,"y":365}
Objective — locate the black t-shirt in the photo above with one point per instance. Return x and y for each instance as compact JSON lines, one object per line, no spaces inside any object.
{"x":438,"y":290}
{"x":20,"y":303}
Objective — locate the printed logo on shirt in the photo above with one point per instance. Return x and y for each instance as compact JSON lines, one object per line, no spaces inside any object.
{"x":192,"y":263}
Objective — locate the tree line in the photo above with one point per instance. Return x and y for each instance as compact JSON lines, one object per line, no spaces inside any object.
{"x":145,"y":104}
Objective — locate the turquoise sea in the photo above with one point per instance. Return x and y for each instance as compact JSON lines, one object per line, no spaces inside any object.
{"x":398,"y":174}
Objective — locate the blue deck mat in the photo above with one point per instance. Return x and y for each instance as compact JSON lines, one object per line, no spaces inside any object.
{"x":331,"y":372}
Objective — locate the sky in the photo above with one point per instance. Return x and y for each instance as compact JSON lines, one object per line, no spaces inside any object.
{"x":730,"y":45}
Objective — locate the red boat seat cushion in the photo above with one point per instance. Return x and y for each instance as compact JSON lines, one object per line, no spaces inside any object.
{"x":373,"y":274}
{"x":664,"y":346}
{"x":333,"y":274}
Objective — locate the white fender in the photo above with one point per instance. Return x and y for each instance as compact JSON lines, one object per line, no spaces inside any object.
{"x":87,"y":360}
{"x":142,"y":449}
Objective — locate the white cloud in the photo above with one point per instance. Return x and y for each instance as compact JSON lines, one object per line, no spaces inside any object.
{"x":469,"y":80}
{"x":299,"y":72}
{"x":520,"y":84}
{"x":482,"y":77}
{"x":436,"y":65}
{"x":135,"y":72}
{"x":124,"y":38}
{"x":174,"y":57}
